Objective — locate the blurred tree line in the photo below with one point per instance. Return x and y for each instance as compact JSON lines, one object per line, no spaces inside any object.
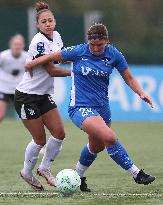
{"x":135,"y":26}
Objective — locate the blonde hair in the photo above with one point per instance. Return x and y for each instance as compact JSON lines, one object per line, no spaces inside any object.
{"x":17,"y":36}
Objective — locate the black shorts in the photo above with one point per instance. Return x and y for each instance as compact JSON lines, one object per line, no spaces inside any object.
{"x":31,"y":106}
{"x":7,"y":97}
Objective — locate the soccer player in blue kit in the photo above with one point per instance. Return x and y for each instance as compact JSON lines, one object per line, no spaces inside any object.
{"x":93,"y":62}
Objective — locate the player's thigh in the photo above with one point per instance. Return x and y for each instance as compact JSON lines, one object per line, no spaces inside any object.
{"x":96,"y":145}
{"x":3,"y":108}
{"x":95,"y":126}
{"x":105,"y":113}
{"x":79,"y":114}
{"x":52,"y":120}
{"x":36,"y":129}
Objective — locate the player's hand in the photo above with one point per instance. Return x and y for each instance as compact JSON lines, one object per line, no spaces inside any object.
{"x":147,"y":99}
{"x":29,"y":69}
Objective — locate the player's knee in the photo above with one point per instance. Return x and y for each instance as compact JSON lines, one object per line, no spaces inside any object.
{"x":40,"y":142}
{"x":59,"y":134}
{"x":110,"y":138}
{"x":97,"y":149}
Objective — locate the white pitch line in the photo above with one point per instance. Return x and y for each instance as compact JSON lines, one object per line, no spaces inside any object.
{"x":43,"y":194}
{"x":130,"y":194}
{"x":4,"y":194}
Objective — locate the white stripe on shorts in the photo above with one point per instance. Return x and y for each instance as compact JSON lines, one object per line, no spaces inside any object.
{"x":23,"y":114}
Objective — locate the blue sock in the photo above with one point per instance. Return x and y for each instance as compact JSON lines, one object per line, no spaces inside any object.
{"x":86,"y":157}
{"x":119,"y":155}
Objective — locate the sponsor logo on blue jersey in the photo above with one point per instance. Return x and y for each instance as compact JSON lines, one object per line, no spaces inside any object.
{"x":87,"y":70}
{"x":40,"y":47}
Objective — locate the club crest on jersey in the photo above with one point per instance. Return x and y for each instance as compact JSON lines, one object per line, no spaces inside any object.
{"x":40,"y":47}
{"x":106,"y":60}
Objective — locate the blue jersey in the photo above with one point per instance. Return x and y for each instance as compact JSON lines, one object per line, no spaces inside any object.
{"x":90,"y":73}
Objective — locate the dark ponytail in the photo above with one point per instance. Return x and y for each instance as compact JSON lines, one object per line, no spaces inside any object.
{"x":41,"y":7}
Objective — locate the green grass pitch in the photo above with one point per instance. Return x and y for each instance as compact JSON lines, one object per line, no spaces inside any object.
{"x":109,"y":183}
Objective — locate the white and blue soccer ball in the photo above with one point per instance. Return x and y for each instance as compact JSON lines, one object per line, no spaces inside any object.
{"x":67,"y":181}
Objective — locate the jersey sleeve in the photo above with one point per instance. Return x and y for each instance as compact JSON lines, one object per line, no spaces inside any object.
{"x":70,"y":53}
{"x":59,"y":40}
{"x":121,"y":63}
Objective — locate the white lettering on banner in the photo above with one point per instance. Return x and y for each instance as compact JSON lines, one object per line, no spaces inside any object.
{"x":117,"y":93}
{"x":160,"y":94}
{"x":149,"y":86}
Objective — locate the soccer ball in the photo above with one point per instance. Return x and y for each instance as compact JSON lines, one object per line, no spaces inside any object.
{"x":67,"y":181}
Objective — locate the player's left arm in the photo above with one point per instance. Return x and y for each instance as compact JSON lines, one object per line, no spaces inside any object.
{"x":134,"y":85}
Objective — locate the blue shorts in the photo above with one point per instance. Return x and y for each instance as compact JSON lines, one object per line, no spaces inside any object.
{"x":79,"y":114}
